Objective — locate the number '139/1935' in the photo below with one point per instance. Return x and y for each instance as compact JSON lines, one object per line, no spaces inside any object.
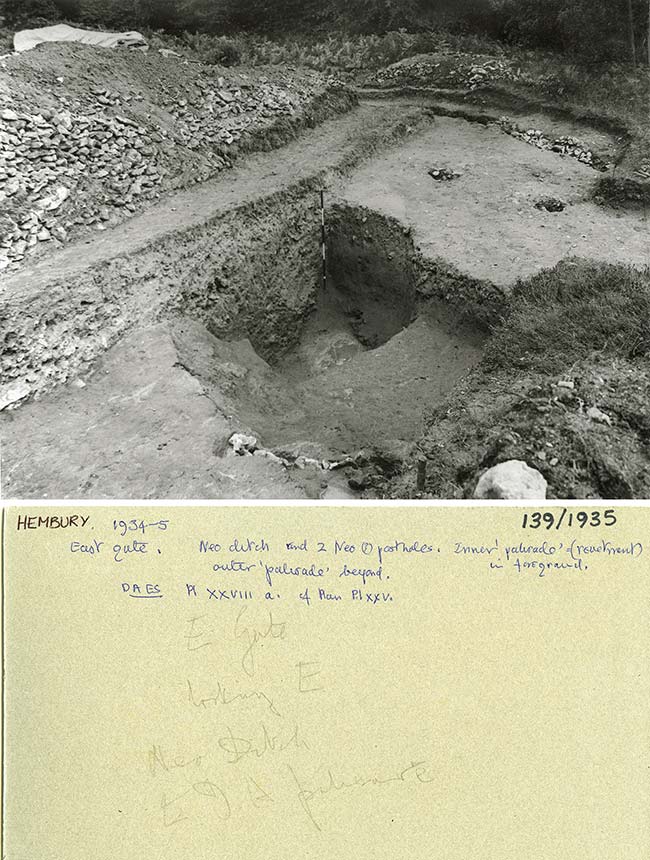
{"x":556,"y":519}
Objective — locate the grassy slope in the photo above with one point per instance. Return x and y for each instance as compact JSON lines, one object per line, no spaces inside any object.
{"x":564,"y":385}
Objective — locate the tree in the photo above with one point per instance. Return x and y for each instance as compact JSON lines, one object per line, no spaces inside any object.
{"x":631,"y":34}
{"x":18,"y":11}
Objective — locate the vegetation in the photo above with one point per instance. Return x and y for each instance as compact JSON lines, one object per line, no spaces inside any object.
{"x":568,"y":313}
{"x":576,"y":338}
{"x":580,"y":52}
{"x":594,"y":30}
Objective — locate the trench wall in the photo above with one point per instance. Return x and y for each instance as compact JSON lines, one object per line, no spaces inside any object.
{"x":375,"y":263}
{"x":252,"y":271}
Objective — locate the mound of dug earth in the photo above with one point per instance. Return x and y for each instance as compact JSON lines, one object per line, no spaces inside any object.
{"x":88,"y":135}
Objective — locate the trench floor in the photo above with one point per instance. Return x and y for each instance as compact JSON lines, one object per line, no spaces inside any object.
{"x":113,"y":435}
{"x":485,"y":222}
{"x":322,"y":149}
{"x":349,"y":397}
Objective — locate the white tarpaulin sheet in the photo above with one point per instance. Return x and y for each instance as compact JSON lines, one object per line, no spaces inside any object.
{"x":25,"y":40}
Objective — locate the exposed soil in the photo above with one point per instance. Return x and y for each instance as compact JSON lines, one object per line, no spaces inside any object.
{"x":485,"y":222}
{"x":345,"y":397}
{"x":495,"y":82}
{"x":212,"y":251}
{"x":590,"y":442}
{"x":138,"y":355}
{"x":140,"y":427}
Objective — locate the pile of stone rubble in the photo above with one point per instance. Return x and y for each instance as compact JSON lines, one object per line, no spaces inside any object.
{"x":48,"y":159}
{"x":443,"y":174}
{"x":482,"y":74}
{"x":562,"y":145}
{"x":86,"y":163}
{"x":220,"y":117}
{"x":447,"y":70}
{"x":244,"y":445}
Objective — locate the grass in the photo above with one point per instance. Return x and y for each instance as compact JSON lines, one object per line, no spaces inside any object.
{"x":582,"y":321}
{"x":334,"y":53}
{"x":6,"y":40}
{"x":342,"y":52}
{"x":614,"y":90}
{"x":616,"y":93}
{"x":568,"y":313}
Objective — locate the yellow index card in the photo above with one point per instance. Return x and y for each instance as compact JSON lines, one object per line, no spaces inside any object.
{"x":371,"y":683}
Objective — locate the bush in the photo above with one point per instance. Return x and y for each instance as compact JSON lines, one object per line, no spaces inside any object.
{"x":20,"y":11}
{"x":594,"y":30}
{"x":214,"y":50}
{"x":337,"y":52}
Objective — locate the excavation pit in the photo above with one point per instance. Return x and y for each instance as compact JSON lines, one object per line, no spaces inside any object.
{"x":368,"y":363}
{"x":343,"y":375}
{"x":127,"y":373}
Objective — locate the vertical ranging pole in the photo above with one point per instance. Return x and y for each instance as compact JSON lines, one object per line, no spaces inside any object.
{"x":323,"y":237}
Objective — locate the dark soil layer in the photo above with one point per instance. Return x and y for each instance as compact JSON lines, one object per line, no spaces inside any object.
{"x":212,"y":252}
{"x":381,"y":275}
{"x":116,"y":129}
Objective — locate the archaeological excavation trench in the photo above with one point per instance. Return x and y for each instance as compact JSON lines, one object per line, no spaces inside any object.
{"x":370,"y":355}
{"x":196,"y":353}
{"x":317,"y":375}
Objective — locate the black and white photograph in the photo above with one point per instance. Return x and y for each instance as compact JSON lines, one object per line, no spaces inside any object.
{"x":324,"y":249}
